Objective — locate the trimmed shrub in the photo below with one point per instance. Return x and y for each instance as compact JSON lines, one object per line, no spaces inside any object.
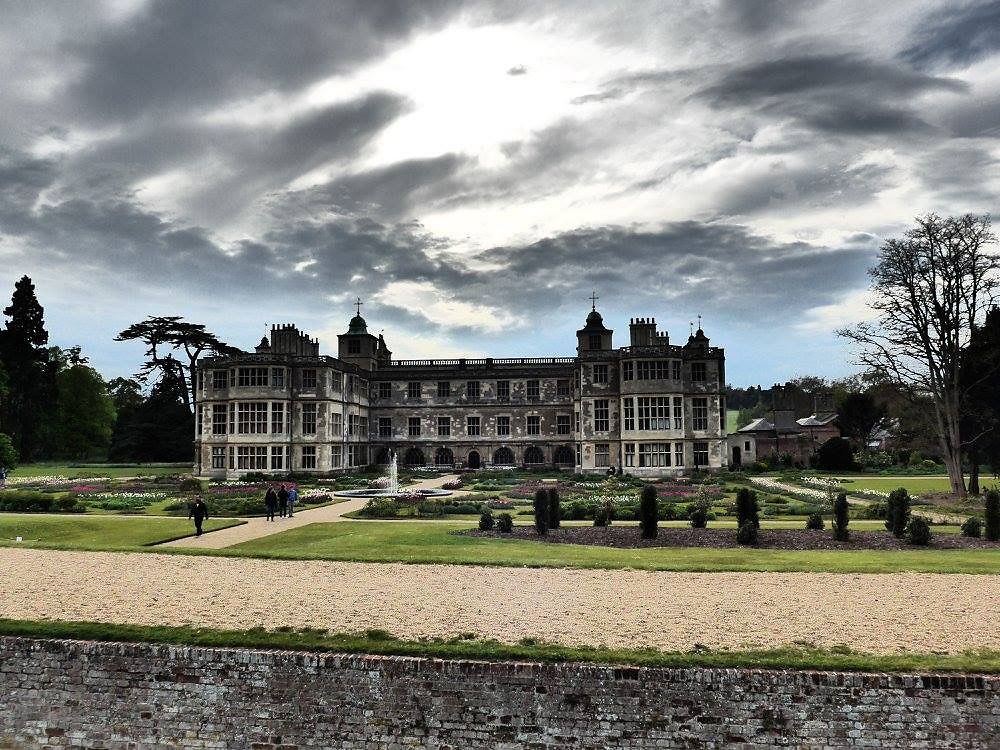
{"x":972,"y":527}
{"x":747,"y":508}
{"x":603,"y":515}
{"x":555,"y":512}
{"x":992,"y":525}
{"x":698,"y":513}
{"x":668,"y":511}
{"x":486,"y":522}
{"x":190,"y":484}
{"x":648,"y":512}
{"x":815,"y":522}
{"x":28,"y":501}
{"x":875,"y":511}
{"x":746,"y":534}
{"x":840,"y":518}
{"x":542,"y":511}
{"x":505,"y":523}
{"x":897,"y":512}
{"x":918,"y":531}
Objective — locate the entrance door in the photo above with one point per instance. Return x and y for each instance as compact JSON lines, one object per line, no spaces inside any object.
{"x":737,"y":457}
{"x":474,"y":461}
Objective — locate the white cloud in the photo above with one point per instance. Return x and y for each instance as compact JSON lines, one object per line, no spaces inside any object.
{"x":443,"y":310}
{"x":852,"y":308}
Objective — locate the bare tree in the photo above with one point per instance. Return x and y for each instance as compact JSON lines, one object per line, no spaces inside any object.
{"x":930,"y":288}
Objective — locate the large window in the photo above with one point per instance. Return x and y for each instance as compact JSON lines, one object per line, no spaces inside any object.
{"x":219,"y":416}
{"x":444,"y":426}
{"x":675,"y":369}
{"x":472,"y":390}
{"x":251,"y":457}
{"x":629,"y":414}
{"x":336,"y":381}
{"x":700,"y":454}
{"x":413,"y":390}
{"x":354,"y":425}
{"x":336,"y":456}
{"x":277,"y":418}
{"x":699,"y":413}
{"x":472,"y":426}
{"x":628,"y":372}
{"x":413,"y":426}
{"x":252,"y":377}
{"x":309,"y":379}
{"x":308,"y":419}
{"x":308,"y":456}
{"x":651,"y":369}
{"x":385,"y":427}
{"x":698,"y":372}
{"x":277,"y":377}
{"x":337,"y":424}
{"x":385,"y":390}
{"x":601,"y":374}
{"x":251,"y":418}
{"x":602,"y":455}
{"x":220,"y":381}
{"x":534,"y":425}
{"x":678,"y":413}
{"x":503,"y":426}
{"x":602,"y":417}
{"x":654,"y":412}
{"x":562,"y":387}
{"x":219,"y":457}
{"x":678,"y":454}
{"x":503,"y":390}
{"x":532,"y":390}
{"x":444,"y":388}
{"x":630,"y":454}
{"x":563,"y":424}
{"x":654,"y":454}
{"x":277,"y":458}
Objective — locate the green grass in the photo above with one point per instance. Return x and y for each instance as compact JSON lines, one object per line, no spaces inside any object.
{"x":732,"y":419}
{"x":914,"y":485}
{"x":96,"y":532}
{"x":379,"y":642}
{"x":98,"y":470}
{"x":415,"y":542}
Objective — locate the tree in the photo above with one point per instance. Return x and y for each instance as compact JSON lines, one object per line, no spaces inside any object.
{"x":161,"y":429}
{"x":648,"y":512}
{"x":860,"y":416}
{"x":930,"y":288}
{"x":980,"y":379}
{"x":164,"y":336}
{"x":8,"y":453}
{"x":85,"y":413}
{"x":555,"y":512}
{"x":991,"y":527}
{"x":840,"y":518}
{"x":897,"y":512}
{"x":835,"y":455}
{"x":542,"y":511}
{"x":30,"y":386}
{"x":747,"y":508}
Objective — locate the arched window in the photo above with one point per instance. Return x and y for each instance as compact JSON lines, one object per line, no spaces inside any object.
{"x":534,"y":455}
{"x":414,"y":457}
{"x":444,"y":457}
{"x":474,"y":461}
{"x":564,"y":456}
{"x":503,"y":457}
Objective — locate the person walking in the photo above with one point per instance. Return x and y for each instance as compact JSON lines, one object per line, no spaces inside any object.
{"x":293,"y":497}
{"x":270,"y":502}
{"x":199,"y":512}
{"x":283,"y":501}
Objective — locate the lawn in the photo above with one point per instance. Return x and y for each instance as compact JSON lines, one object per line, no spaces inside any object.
{"x":916,"y":485}
{"x":416,"y":542}
{"x":96,"y":532}
{"x":72,"y":471}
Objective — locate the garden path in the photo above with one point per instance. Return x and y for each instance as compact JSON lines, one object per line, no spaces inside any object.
{"x":878,"y":613}
{"x":255,"y":528}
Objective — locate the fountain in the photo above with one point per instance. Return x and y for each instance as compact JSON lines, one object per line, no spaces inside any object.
{"x":391,"y":488}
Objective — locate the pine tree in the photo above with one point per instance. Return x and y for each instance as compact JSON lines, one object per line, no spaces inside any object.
{"x":648,"y":512}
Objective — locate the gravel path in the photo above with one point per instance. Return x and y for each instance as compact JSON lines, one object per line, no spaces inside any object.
{"x":876,"y":613}
{"x":255,"y":528}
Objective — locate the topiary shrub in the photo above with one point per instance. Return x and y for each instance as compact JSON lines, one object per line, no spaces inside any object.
{"x":991,"y":529}
{"x":190,"y":484}
{"x":840,"y":518}
{"x":747,"y":508}
{"x":486,"y":522}
{"x":603,"y":515}
{"x":815,"y":522}
{"x":918,"y":531}
{"x":698,"y":512}
{"x":505,"y":523}
{"x":555,"y":513}
{"x":648,"y":512}
{"x":897,"y":512}
{"x":746,"y":534}
{"x":542,"y":512}
{"x":973,"y":527}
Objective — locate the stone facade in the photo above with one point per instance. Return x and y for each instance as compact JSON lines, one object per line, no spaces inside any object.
{"x":651,"y":408}
{"x":73,"y":694}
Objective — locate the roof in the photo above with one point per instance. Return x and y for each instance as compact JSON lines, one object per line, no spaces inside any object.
{"x":763,"y":425}
{"x":816,"y":420}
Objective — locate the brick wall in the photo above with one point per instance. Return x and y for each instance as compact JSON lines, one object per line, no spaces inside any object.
{"x":110,"y":695}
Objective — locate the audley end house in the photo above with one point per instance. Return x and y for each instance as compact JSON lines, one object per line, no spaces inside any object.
{"x":651,"y":408}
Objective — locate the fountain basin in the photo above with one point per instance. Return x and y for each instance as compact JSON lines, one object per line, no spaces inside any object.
{"x":391,"y":493}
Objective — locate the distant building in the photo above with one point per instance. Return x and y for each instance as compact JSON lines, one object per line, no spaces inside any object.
{"x":779,"y":433}
{"x":652,"y":408}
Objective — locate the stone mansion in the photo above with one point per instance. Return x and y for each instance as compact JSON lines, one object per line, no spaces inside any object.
{"x":651,"y":408}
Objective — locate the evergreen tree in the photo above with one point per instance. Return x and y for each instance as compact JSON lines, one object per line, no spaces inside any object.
{"x":980,"y":377}
{"x":991,"y":529}
{"x":161,"y":429}
{"x":840,"y":518}
{"x":555,"y":512}
{"x":85,"y":414}
{"x":897,"y":512}
{"x":8,"y":453}
{"x":648,"y":512}
{"x":747,"y":508}
{"x":542,"y":511}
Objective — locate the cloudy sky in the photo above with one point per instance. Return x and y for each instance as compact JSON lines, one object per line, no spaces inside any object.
{"x":473,"y":170}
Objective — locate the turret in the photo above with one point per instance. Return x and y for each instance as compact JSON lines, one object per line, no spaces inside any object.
{"x":357,"y":346}
{"x":593,"y":336}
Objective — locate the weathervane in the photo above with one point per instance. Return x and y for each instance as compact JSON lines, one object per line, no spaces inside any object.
{"x":593,"y":300}
{"x":358,"y":305}
{"x":699,"y":322}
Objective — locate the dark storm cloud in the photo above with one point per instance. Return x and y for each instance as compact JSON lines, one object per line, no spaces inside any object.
{"x":957,"y":35}
{"x":182,"y":54}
